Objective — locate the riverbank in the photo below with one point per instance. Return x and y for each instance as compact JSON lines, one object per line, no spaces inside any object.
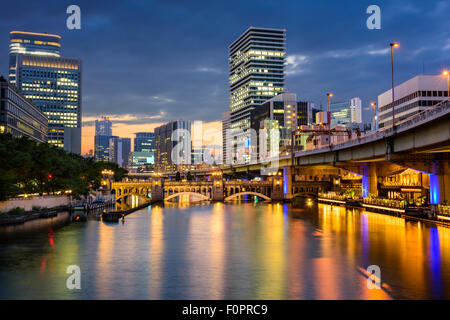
{"x":406,"y":213}
{"x":18,"y":218}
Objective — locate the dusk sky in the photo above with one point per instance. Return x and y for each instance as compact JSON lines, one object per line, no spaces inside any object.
{"x":147,"y":62}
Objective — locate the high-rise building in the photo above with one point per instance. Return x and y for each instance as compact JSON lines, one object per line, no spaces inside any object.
{"x":144,"y":142}
{"x":356,"y":110}
{"x":31,"y":43}
{"x":226,"y":120}
{"x":52,"y":83}
{"x":256,"y":73}
{"x":103,"y":132}
{"x":19,"y":116}
{"x":411,"y":97}
{"x":119,"y":150}
{"x":167,"y":137}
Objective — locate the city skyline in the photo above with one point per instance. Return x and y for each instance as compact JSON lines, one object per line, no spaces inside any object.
{"x":163,"y":87}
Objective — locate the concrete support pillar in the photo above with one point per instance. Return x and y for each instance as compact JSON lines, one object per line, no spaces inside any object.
{"x":373,"y":181}
{"x":277,"y":188}
{"x":369,"y":180}
{"x":287,"y":182}
{"x":157,"y":189}
{"x":440,"y":183}
{"x":217,"y":190}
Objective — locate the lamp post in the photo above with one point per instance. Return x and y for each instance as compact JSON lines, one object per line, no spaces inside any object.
{"x":393,"y":45}
{"x":374,"y":106}
{"x":329,"y":96}
{"x":446,"y":73}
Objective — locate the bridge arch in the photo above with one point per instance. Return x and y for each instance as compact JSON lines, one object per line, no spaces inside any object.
{"x":238,"y":194}
{"x":182,"y":193}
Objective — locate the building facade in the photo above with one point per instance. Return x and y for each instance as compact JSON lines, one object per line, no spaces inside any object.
{"x":166,"y":139}
{"x":226,"y":120}
{"x":412,"y":96}
{"x":340,"y":113}
{"x":284,"y":113}
{"x":144,"y":142}
{"x":256,"y":72}
{"x":52,"y":83}
{"x":119,"y":150}
{"x":19,"y":116}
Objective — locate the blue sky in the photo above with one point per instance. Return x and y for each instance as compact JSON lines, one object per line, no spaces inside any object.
{"x":153,"y":61}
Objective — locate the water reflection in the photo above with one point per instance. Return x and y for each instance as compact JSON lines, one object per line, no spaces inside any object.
{"x":234,"y":251}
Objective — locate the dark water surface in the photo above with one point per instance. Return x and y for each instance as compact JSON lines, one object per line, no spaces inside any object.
{"x":229,"y":251}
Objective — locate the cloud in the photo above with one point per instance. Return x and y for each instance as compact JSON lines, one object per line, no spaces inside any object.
{"x":208,"y":69}
{"x":296,"y":64}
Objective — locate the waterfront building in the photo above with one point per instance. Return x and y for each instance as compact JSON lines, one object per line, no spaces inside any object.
{"x":19,"y":116}
{"x":167,"y":137}
{"x":256,"y":73}
{"x":411,"y":97}
{"x":103,"y":132}
{"x":51,"y":82}
{"x":144,"y":142}
{"x":119,"y":150}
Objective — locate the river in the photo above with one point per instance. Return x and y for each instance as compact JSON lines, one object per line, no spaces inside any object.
{"x":229,"y":251}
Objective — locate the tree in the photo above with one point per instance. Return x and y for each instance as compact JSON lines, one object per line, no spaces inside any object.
{"x":178,"y":176}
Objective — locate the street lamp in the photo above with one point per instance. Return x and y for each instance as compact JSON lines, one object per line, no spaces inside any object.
{"x":329,"y":96}
{"x":374,"y":106}
{"x":393,"y":45}
{"x":446,"y":73}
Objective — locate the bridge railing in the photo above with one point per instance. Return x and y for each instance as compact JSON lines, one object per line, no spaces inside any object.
{"x":426,"y":115}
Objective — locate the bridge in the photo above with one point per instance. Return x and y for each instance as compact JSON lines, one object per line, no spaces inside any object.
{"x":216,"y":189}
{"x":413,"y":157}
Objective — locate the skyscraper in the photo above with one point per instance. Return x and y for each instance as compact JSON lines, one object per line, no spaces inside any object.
{"x":52,"y":83}
{"x":103,"y":132}
{"x":256,"y":72}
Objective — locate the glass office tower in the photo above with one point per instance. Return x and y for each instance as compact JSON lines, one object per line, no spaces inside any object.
{"x":31,"y":43}
{"x":256,"y":72}
{"x":52,"y":83}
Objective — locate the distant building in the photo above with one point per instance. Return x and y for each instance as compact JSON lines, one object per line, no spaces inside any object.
{"x":256,"y":73}
{"x":355,"y":110}
{"x":51,"y":82}
{"x":103,"y":132}
{"x":141,"y":161}
{"x":226,"y":120}
{"x":144,"y":142}
{"x":411,"y":97}
{"x":19,"y":116}
{"x":164,"y":144}
{"x":119,"y":150}
{"x":340,"y":113}
{"x":282,"y":112}
{"x":103,"y":127}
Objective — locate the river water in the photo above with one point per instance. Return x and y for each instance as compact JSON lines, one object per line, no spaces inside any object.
{"x":229,"y":251}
